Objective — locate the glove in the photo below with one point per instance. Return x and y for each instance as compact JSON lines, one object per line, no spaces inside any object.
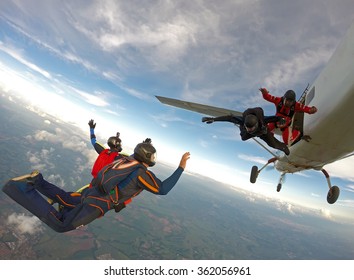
{"x":264,"y":90}
{"x":264,"y":129}
{"x":281,"y":123}
{"x":208,"y":120}
{"x":147,"y":140}
{"x":91,"y":124}
{"x":313,"y":110}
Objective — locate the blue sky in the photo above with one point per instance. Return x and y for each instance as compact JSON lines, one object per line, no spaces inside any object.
{"x":107,"y":60}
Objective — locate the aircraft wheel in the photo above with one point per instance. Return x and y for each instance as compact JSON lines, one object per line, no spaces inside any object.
{"x":278,"y":187}
{"x":254,"y":174}
{"x":333,"y":195}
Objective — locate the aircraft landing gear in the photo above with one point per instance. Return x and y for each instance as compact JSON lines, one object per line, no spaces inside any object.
{"x":280,"y":183}
{"x":333,"y":192}
{"x":254,"y":174}
{"x":255,"y":171}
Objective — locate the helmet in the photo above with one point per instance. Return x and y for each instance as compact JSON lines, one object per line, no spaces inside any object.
{"x":115,"y":143}
{"x":290,"y":95}
{"x":145,"y":152}
{"x":251,"y":123}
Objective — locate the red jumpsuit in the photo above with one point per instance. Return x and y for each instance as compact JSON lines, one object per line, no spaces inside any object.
{"x":287,"y":113}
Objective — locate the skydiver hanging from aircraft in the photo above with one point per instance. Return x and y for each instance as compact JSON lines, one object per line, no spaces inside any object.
{"x":253,"y":123}
{"x":115,"y":183}
{"x":286,"y":107}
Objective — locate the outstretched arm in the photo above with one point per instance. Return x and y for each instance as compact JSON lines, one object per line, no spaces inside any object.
{"x":229,"y":118}
{"x":267,"y":96}
{"x":306,"y":109}
{"x":163,"y":187}
{"x":98,"y":147}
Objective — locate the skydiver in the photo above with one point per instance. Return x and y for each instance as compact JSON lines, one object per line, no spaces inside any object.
{"x":286,"y":107}
{"x":115,"y":183}
{"x":105,"y":156}
{"x":254,"y":124}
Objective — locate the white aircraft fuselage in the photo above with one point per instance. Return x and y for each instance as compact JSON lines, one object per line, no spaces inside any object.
{"x":331,"y":129}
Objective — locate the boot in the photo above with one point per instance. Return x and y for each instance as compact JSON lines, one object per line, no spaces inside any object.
{"x":286,"y":150}
{"x":28,"y":178}
{"x":208,"y":120}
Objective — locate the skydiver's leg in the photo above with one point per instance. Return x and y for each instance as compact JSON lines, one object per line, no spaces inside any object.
{"x":55,"y":193}
{"x":295,"y":136}
{"x":81,"y":215}
{"x":26,"y":195}
{"x":271,"y":127}
{"x":285,"y":135}
{"x":275,"y":143}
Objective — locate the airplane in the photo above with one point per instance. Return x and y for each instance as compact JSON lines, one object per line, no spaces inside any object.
{"x":329,"y":132}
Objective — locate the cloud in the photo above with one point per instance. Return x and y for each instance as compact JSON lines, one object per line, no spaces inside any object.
{"x":41,"y":160}
{"x":167,"y":118}
{"x":342,"y":169}
{"x":25,"y":224}
{"x":92,"y":98}
{"x":219,"y":52}
{"x":13,"y":53}
{"x":326,"y":213}
{"x":255,"y":159}
{"x":45,"y":158}
{"x":285,"y":207}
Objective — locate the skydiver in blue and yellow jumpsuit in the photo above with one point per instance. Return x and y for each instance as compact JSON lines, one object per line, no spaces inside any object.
{"x":115,"y":183}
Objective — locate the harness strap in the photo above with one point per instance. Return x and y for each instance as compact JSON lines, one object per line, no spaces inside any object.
{"x":281,"y":104}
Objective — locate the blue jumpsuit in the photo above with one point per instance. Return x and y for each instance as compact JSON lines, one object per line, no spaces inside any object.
{"x":115,"y":183}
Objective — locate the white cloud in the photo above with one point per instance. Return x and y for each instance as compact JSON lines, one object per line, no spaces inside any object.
{"x":11,"y":52}
{"x":25,"y":224}
{"x":255,"y":159}
{"x":326,"y":213}
{"x":92,"y":98}
{"x":342,"y":169}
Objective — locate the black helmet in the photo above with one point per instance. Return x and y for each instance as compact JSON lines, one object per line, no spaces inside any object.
{"x":251,"y":123}
{"x":290,"y":95}
{"x":115,"y":143}
{"x":145,"y":152}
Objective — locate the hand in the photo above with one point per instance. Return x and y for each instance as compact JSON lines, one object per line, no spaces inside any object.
{"x":184,"y":159}
{"x":91,"y":124}
{"x":208,"y":120}
{"x":281,"y":123}
{"x":264,"y":90}
{"x":147,"y":140}
{"x":313,"y":110}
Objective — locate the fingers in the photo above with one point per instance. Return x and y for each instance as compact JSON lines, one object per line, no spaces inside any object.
{"x":184,"y":159}
{"x":263,"y":90}
{"x":187,"y":155}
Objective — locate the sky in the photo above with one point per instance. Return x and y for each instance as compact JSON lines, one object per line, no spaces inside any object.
{"x":106,"y":60}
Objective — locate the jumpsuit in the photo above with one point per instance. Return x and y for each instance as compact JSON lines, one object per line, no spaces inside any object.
{"x":114,"y":184}
{"x":262,"y":131}
{"x":287,"y":113}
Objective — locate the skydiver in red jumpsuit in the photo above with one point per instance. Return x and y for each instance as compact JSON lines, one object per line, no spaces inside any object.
{"x":286,"y":107}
